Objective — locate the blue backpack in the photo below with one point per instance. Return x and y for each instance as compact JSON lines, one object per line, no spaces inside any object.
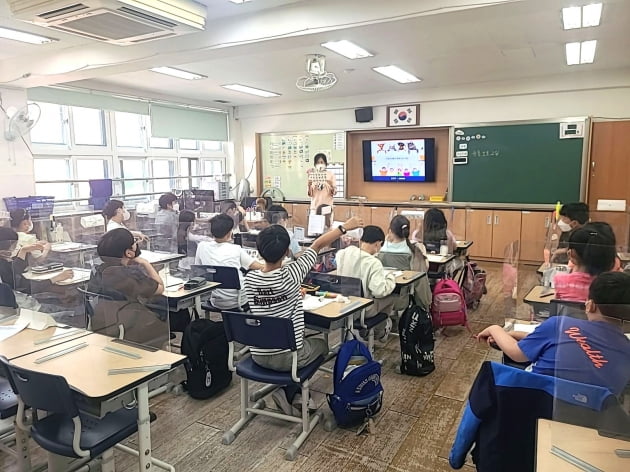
{"x":357,"y":393}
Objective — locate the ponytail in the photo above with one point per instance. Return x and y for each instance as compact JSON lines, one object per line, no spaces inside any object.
{"x":400,"y":226}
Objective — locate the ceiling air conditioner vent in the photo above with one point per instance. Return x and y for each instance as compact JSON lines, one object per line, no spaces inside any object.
{"x":121,"y":22}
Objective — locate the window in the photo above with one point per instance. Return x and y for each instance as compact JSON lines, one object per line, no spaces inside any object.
{"x":88,"y":126}
{"x":133,"y":169}
{"x":212,"y":145}
{"x":53,"y":169}
{"x":129,"y":130}
{"x":88,"y":169}
{"x":213,"y":167}
{"x":163,"y":168}
{"x":51,"y":127}
{"x":161,"y":143}
{"x":189,"y":167}
{"x":189,"y":144}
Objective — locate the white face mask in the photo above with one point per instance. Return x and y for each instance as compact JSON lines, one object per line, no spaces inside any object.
{"x":320,"y":167}
{"x":126,"y":214}
{"x":176,"y":207}
{"x":29,"y":228}
{"x":564,"y":227}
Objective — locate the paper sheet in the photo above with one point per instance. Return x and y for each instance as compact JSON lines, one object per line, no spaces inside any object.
{"x":79,"y":275}
{"x":396,"y":273}
{"x":316,"y":224}
{"x":298,"y":233}
{"x":313,"y":303}
{"x":11,"y":330}
{"x":35,"y":319}
{"x":527,"y":328}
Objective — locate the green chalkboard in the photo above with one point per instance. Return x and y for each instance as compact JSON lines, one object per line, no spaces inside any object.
{"x":524,"y":163}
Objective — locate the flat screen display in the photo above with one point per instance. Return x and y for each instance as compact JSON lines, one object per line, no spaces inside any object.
{"x":399,"y":160}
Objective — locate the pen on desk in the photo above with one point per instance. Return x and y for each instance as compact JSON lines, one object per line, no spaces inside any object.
{"x":576,"y":461}
{"x":120,"y":352}
{"x":63,"y":352}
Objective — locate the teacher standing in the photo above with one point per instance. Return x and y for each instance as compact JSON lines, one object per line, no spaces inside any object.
{"x":321,"y":189}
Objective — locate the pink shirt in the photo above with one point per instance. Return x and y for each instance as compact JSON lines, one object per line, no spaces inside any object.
{"x":324,"y":195}
{"x":572,"y":286}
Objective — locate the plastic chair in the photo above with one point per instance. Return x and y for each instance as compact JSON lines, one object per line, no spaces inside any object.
{"x":572,"y":308}
{"x":268,"y":332}
{"x":227,"y":276}
{"x":64,"y":431}
{"x":8,"y":409}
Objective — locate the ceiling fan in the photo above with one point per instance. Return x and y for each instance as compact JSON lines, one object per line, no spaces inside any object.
{"x":317,"y":79}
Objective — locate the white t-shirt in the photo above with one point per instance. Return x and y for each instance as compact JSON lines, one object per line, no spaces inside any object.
{"x":111,"y":224}
{"x":226,"y":255}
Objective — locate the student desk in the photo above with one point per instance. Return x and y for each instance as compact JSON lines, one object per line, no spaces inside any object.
{"x":335,"y":315}
{"x":624,"y":257}
{"x":71,"y":248}
{"x":159,"y":257}
{"x":540,"y":295}
{"x":583,"y":443}
{"x":80,"y":276}
{"x":440,"y":260}
{"x":87,"y":372}
{"x":542,"y":268}
{"x":407,"y":277}
{"x":461,"y":248}
{"x":186,"y":299}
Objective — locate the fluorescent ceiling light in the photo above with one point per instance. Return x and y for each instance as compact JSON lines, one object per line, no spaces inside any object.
{"x":180,"y":74}
{"x":250,"y":90}
{"x":30,"y":38}
{"x":581,"y":53}
{"x":582,"y":17}
{"x":240,"y":1}
{"x":397,"y":74}
{"x":347,"y":49}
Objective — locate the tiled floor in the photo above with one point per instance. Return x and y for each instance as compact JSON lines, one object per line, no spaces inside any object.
{"x":414,"y":430}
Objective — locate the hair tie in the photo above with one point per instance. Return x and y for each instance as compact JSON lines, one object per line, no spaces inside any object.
{"x":404,"y":226}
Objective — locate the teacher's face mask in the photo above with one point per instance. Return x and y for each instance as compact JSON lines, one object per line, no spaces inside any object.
{"x":320,"y":167}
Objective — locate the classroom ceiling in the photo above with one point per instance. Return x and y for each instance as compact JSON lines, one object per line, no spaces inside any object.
{"x":263,"y":44}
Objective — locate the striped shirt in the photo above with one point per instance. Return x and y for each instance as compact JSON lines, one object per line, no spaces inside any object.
{"x":277,"y":293}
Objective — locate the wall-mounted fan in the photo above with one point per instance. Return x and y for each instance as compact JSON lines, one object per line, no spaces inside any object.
{"x":316,"y":79}
{"x":21,"y":121}
{"x":274,"y":193}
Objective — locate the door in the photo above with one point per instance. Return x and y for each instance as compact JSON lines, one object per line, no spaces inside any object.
{"x":299,"y":214}
{"x":381,"y":216}
{"x":457,"y":223}
{"x":534,"y":227}
{"x":506,"y":228}
{"x":479,"y":230}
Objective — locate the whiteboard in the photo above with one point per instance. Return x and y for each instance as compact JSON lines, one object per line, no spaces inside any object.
{"x":286,"y":157}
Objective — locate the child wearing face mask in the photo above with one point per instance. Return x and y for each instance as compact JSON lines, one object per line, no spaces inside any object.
{"x":572,"y":216}
{"x":167,"y":220}
{"x":361,"y":262}
{"x":23,"y":225}
{"x":278,"y":215}
{"x":321,"y":190}
{"x":115,"y":213}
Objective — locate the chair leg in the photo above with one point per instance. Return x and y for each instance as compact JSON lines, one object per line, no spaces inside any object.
{"x":230,"y":435}
{"x":308,"y":424}
{"x":371,"y":340}
{"x":22,"y":438}
{"x":109,"y":461}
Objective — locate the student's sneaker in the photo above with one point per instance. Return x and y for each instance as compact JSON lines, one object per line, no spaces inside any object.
{"x":279,"y":397}
{"x":388,"y":329}
{"x":297,"y":405}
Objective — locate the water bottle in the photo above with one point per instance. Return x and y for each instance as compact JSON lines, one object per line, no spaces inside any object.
{"x":59,"y":233}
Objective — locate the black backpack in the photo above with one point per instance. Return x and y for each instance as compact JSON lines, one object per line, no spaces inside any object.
{"x":416,"y":341}
{"x":206,"y":346}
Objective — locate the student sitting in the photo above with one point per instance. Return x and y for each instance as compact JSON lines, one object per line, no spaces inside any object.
{"x":115,"y":213}
{"x":593,"y":351}
{"x":435,"y":231}
{"x":187,"y":239}
{"x":591,"y":251}
{"x":278,"y":215}
{"x":261,"y":205}
{"x":23,"y":225}
{"x":166,"y":219}
{"x":130,"y":281}
{"x":237,"y":213}
{"x":223,"y":252}
{"x":572,"y":216}
{"x":361,"y":262}
{"x":274,"y":290}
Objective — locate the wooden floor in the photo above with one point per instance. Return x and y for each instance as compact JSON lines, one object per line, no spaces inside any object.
{"x":414,"y":430}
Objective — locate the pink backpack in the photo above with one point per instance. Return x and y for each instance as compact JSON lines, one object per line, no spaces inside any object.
{"x":449,"y":306}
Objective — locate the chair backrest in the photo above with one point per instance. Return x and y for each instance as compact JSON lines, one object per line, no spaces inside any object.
{"x":248,"y":240}
{"x":396,"y":260}
{"x":91,"y":299}
{"x":226,"y":276}
{"x":263,"y":332}
{"x":348,"y":286}
{"x":41,"y":391}
{"x":574,"y":309}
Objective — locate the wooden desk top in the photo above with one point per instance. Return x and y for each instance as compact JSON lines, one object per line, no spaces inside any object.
{"x":624,"y":257}
{"x":86,"y":370}
{"x":23,"y":343}
{"x":438,"y":259}
{"x":334,"y":310}
{"x":535,"y":295}
{"x":80,"y":276}
{"x":182,"y":293}
{"x":156,"y":257}
{"x":408,"y":277}
{"x":71,"y":247}
{"x":583,"y":443}
{"x":464,"y":244}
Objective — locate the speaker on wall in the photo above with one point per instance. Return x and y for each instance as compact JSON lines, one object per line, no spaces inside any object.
{"x":363,"y":115}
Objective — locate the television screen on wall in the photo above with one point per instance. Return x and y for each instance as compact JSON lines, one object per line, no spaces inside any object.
{"x":399,"y":160}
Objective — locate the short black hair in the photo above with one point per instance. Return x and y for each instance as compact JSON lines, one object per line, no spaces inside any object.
{"x":318,"y":156}
{"x":111,"y":207}
{"x":166,"y":200}
{"x":7,"y":238}
{"x":594,"y":246}
{"x":275,"y":213}
{"x":114,"y":243}
{"x":19,"y":215}
{"x":611,"y":293}
{"x":372,"y":234}
{"x":221,"y":225}
{"x":272,"y":243}
{"x":575,"y":212}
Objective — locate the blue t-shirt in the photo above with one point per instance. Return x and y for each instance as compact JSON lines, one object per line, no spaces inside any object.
{"x":591,"y":352}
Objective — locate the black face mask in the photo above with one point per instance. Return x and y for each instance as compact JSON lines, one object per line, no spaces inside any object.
{"x":138,"y":251}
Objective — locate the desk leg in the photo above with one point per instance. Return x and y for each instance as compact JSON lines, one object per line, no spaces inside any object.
{"x":144,"y":427}
{"x":22,"y":439}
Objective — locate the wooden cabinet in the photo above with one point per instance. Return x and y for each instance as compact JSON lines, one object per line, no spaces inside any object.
{"x":506,"y":229}
{"x":344,"y":212}
{"x":479,"y":230}
{"x":620,"y":222}
{"x":381,"y":216}
{"x":299,"y":214}
{"x":534,"y":228}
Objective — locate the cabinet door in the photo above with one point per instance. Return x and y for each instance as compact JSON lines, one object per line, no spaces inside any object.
{"x":457,"y":223}
{"x":299,"y":214}
{"x":534,"y":227}
{"x":479,"y":230}
{"x":381,"y":216}
{"x":342,"y":212}
{"x":506,"y":230}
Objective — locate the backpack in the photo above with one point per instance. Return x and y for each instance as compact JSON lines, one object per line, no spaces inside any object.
{"x":416,"y":341}
{"x":473,"y":285}
{"x":449,"y":306}
{"x":206,"y":346}
{"x":357,"y":391}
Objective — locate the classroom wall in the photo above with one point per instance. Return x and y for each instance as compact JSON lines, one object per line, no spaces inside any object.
{"x":605,"y":94}
{"x":16,"y":162}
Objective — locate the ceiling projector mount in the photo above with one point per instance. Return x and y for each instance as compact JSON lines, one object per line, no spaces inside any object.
{"x":316,"y":78}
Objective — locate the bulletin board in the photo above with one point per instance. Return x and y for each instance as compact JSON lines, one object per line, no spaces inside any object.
{"x":285,"y":158}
